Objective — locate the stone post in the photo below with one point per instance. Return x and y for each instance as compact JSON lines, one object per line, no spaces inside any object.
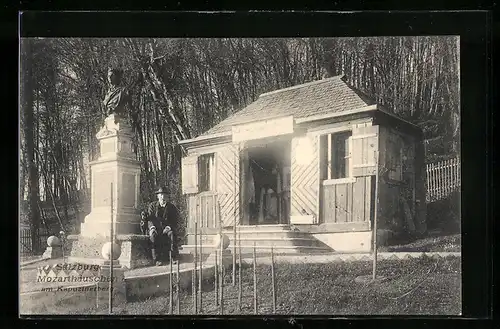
{"x":53,"y":249}
{"x":119,"y":295}
{"x":226,"y":252}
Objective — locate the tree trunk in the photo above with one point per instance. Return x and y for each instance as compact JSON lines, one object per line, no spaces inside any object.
{"x":27,"y":106}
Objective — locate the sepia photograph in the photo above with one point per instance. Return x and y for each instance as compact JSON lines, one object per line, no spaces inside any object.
{"x":240,"y":176}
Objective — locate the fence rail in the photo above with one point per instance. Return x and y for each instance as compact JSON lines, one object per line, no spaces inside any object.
{"x":443,"y":178}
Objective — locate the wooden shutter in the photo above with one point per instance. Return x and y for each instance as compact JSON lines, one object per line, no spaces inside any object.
{"x":364,"y":150}
{"x":190,"y":174}
{"x":305,"y":177}
{"x":228,"y":184}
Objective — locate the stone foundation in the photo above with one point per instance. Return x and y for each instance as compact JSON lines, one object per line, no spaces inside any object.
{"x":354,"y":241}
{"x":346,"y":241}
{"x":135,"y":250}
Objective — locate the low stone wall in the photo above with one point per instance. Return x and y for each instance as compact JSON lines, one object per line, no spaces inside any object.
{"x":135,"y":250}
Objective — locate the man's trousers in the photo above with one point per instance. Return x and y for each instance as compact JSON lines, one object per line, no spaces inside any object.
{"x":162,"y":244}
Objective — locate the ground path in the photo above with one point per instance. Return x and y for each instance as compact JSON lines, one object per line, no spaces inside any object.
{"x":29,"y":284}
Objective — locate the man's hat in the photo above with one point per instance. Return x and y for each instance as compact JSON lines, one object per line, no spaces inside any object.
{"x":162,"y":190}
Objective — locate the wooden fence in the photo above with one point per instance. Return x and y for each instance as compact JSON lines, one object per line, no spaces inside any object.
{"x":443,"y":178}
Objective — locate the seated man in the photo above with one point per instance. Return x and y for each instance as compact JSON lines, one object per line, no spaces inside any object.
{"x":160,"y":221}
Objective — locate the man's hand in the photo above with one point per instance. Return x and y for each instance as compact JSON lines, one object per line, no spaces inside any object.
{"x":167,"y":229}
{"x":143,"y":218}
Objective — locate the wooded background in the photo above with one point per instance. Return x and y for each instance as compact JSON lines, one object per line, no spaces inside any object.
{"x":198,"y":83}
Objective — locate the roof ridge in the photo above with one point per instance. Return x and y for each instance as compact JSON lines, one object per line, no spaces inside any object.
{"x":306,"y":84}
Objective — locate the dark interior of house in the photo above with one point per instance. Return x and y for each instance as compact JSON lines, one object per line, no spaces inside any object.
{"x":266,"y":185}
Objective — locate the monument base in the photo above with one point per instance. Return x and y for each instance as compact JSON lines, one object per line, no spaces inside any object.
{"x":98,"y":223}
{"x":135,"y":250}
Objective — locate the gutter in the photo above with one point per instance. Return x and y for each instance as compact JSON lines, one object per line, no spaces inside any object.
{"x":364,"y":109}
{"x":337,"y":114}
{"x":204,"y":138}
{"x":399,"y":118}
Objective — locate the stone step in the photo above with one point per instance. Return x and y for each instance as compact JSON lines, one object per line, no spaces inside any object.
{"x":266,"y":234}
{"x":253,"y":228}
{"x":279,"y":241}
{"x":272,"y":235}
{"x":281,"y":237}
{"x":263,"y":248}
{"x":274,"y":241}
{"x":262,"y":231}
{"x":266,"y":249}
{"x":285,"y":238}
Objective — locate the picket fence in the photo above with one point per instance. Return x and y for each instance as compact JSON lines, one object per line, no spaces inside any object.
{"x":443,"y":178}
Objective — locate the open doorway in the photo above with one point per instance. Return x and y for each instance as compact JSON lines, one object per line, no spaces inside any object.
{"x":267,"y":183}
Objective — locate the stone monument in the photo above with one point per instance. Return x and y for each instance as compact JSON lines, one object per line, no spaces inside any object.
{"x":117,"y":167}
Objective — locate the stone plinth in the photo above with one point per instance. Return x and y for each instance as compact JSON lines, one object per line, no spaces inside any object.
{"x":117,"y":166}
{"x":52,"y":252}
{"x":135,"y":250}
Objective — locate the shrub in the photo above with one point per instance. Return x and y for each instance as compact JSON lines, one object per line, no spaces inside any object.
{"x":444,"y":214}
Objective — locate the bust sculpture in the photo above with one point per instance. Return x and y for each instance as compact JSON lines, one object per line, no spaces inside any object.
{"x":117,"y":96}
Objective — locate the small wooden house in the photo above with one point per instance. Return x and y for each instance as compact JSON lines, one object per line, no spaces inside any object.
{"x":306,"y":159}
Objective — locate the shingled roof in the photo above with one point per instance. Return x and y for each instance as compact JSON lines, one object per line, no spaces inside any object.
{"x":330,"y":95}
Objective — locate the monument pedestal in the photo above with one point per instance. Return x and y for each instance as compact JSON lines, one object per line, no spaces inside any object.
{"x":115,"y":169}
{"x":119,"y":171}
{"x":135,"y":250}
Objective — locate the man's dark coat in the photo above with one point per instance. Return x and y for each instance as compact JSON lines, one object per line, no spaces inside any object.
{"x":156,"y":216}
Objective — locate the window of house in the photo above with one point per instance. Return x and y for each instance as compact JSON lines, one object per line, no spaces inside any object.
{"x":206,"y":172}
{"x":394,"y":158}
{"x":335,"y":155}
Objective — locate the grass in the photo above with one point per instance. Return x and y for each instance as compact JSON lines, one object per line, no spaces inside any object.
{"x":431,"y":243}
{"x":413,"y":287}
